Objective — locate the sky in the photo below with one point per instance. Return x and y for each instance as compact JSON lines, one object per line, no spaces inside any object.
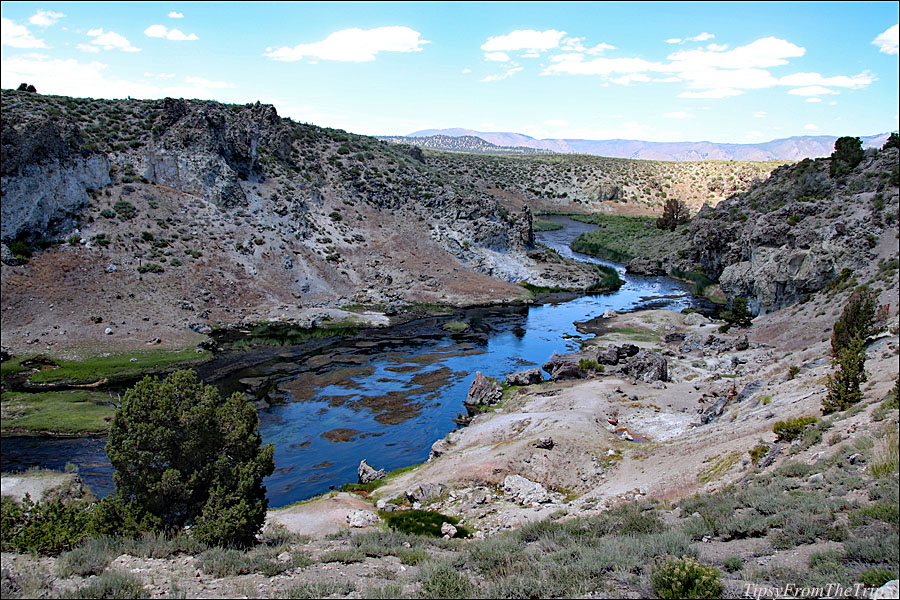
{"x":720,"y":72}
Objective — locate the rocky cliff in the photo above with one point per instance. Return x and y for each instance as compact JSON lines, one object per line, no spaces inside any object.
{"x":799,"y":230}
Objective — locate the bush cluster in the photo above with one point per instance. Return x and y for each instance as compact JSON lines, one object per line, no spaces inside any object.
{"x":687,"y":578}
{"x":790,"y":430}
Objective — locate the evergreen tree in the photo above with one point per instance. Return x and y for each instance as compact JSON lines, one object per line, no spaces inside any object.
{"x":184,"y":457}
{"x":848,"y":153}
{"x":675,"y":212}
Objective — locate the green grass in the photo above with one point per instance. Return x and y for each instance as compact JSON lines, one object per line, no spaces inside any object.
{"x":118,"y":367}
{"x":541,"y":225}
{"x":368,"y":488}
{"x":455,"y":327}
{"x":421,"y":522}
{"x":68,"y":412}
{"x":623,"y":238}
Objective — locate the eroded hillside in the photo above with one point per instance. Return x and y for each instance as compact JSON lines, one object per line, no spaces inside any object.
{"x":191,"y":213}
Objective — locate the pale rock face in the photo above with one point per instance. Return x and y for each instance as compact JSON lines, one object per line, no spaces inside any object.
{"x":46,"y":198}
{"x":524,"y":491}
{"x":361,"y":518}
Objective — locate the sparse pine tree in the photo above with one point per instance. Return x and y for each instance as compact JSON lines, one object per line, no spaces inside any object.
{"x":893,"y":141}
{"x":675,"y":213}
{"x":857,"y":321}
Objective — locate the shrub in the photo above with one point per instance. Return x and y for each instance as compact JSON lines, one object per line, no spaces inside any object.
{"x":788,"y":431}
{"x":74,"y":239}
{"x":125,"y":210}
{"x":150,"y":267}
{"x":182,"y":455}
{"x":687,"y":578}
{"x":893,"y":141}
{"x":733,"y":564}
{"x":112,"y":584}
{"x":91,"y":557}
{"x":878,"y":576}
{"x":20,"y":249}
{"x":43,"y":527}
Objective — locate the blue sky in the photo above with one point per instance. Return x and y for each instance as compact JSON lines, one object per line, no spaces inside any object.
{"x":723,"y":72}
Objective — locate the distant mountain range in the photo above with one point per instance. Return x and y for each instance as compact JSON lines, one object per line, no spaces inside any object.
{"x":792,"y":148}
{"x":462,"y":143}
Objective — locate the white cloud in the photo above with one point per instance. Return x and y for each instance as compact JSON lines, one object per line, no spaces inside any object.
{"x":887,"y":41}
{"x":811,"y":79}
{"x":88,"y":48}
{"x":575,"y":64}
{"x":813,"y":99}
{"x":678,"y":115}
{"x":813,"y":90}
{"x":743,"y":79}
{"x":110,"y":40}
{"x":18,"y":36}
{"x":160,"y":75}
{"x":353,"y":45}
{"x":45,"y":18}
{"x":700,"y":37}
{"x":764,"y":52}
{"x":717,"y":47}
{"x":496,"y":56}
{"x":524,"y":39}
{"x":674,"y":41}
{"x":509,"y":73}
{"x":466,"y":70}
{"x":712,"y":94}
{"x":176,"y":15}
{"x":760,"y":114}
{"x":576,"y":44}
{"x":810,"y":127}
{"x":630,"y":78}
{"x":174,"y":35}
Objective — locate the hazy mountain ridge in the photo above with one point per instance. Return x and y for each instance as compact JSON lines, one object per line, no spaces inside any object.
{"x":462,"y":143}
{"x":792,"y":148}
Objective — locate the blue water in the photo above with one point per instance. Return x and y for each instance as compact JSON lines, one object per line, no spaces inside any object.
{"x":396,"y":395}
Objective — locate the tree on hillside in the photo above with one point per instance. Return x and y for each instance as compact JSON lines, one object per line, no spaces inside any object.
{"x":848,"y":153}
{"x":184,"y":457}
{"x":848,"y":348}
{"x":675,"y":212}
{"x":893,"y":141}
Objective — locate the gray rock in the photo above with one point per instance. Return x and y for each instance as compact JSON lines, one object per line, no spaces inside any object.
{"x":484,"y":391}
{"x":645,"y":266}
{"x":714,"y":412}
{"x":610,"y":356}
{"x":889,"y":590}
{"x":526,"y":377}
{"x":448,"y":530}
{"x":425,"y":492}
{"x":361,"y":518}
{"x":545,"y":443}
{"x":524,"y":491}
{"x":696,"y":319}
{"x":816,"y":478}
{"x":647,"y":366}
{"x":367,"y":474}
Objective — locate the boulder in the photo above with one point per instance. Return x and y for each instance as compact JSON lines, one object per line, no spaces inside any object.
{"x":367,"y":474}
{"x":645,"y":266}
{"x":696,"y":319}
{"x":610,"y":356}
{"x":524,"y":491}
{"x":627,"y":350}
{"x":448,"y":530}
{"x":425,"y":492}
{"x":484,"y":391}
{"x":526,"y":377}
{"x":361,"y":518}
{"x":545,"y":443}
{"x":714,"y":412}
{"x":889,"y":590}
{"x":647,"y":366}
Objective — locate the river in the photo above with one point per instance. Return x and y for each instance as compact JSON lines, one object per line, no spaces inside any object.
{"x":383,"y":395}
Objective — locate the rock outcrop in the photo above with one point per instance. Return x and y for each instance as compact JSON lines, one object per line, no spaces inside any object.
{"x":484,"y":391}
{"x":794,"y":233}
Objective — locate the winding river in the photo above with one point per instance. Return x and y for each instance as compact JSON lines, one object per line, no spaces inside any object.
{"x":383,"y":395}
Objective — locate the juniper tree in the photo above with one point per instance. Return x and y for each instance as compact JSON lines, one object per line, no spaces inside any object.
{"x":184,"y":457}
